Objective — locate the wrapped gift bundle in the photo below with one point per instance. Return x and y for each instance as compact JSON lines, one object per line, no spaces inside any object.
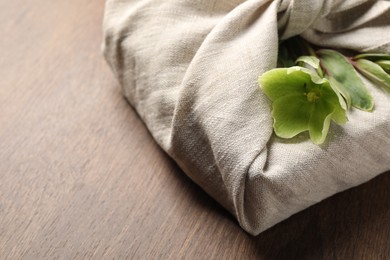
{"x":190,"y":68}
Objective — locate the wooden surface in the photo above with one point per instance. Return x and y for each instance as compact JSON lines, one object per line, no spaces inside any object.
{"x":81,"y":178}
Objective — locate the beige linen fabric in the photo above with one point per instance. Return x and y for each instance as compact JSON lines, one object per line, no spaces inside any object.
{"x":190,"y":69}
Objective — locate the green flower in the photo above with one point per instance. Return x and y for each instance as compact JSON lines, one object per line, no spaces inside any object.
{"x":301,"y":101}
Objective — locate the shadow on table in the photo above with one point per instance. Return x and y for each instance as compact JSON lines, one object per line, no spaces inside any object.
{"x":353,"y":224}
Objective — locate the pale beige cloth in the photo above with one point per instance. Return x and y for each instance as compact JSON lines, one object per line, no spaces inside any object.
{"x":190,"y":69}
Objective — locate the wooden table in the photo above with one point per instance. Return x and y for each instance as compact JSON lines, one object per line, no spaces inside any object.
{"x":81,"y":177}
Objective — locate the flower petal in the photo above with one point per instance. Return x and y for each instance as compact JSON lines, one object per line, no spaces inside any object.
{"x":310,"y":60}
{"x":277,"y":83}
{"x":291,"y":115}
{"x":320,"y":120}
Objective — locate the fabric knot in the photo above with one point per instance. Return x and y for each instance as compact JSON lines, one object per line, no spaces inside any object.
{"x":296,"y":16}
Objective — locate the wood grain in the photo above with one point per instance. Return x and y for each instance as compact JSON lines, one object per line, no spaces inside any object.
{"x":81,"y":178}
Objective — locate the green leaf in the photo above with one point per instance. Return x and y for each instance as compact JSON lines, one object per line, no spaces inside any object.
{"x":302,"y":101}
{"x":344,"y":97}
{"x":385,"y":64}
{"x":345,"y":79}
{"x":374,"y":72}
{"x":373,"y":56}
{"x":310,"y":60}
